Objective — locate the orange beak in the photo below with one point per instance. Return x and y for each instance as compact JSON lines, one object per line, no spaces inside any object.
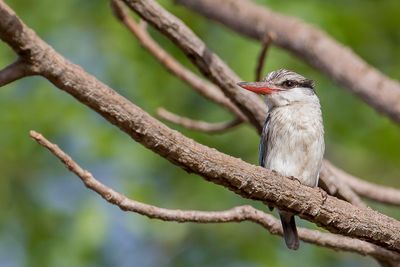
{"x":262,"y":88}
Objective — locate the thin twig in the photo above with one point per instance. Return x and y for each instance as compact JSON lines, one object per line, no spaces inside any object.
{"x":196,"y":125}
{"x":265,"y":44}
{"x":15,"y":71}
{"x":236,"y":214}
{"x":203,"y":87}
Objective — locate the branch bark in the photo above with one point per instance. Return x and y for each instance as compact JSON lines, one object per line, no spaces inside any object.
{"x":236,"y":214}
{"x":310,"y":44}
{"x":15,"y":71}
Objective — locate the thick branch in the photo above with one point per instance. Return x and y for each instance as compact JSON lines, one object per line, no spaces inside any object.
{"x":201,"y":126}
{"x":15,"y":71}
{"x":189,"y":43}
{"x":206,"y":61}
{"x":203,"y":87}
{"x":309,"y":43}
{"x":247,"y":180}
{"x":237,"y":214}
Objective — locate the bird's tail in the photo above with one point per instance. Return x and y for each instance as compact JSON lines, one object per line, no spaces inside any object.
{"x":289,"y":230}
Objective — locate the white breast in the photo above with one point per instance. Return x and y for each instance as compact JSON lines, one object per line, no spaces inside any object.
{"x":295,"y":142}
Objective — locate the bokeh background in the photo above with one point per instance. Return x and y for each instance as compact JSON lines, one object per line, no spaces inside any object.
{"x":48,"y":218}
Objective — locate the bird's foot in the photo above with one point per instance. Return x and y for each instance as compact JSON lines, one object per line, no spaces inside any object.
{"x":324,"y":195}
{"x":294,"y":179}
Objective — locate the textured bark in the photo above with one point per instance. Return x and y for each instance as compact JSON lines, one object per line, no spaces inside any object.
{"x":247,"y":180}
{"x":310,"y":44}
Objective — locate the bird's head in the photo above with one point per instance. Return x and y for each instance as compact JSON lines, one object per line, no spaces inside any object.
{"x":283,"y":87}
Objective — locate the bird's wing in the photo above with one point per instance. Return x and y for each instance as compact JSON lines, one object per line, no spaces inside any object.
{"x":263,"y":147}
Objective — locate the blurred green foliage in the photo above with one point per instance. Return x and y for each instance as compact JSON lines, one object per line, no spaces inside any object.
{"x":49,"y":219}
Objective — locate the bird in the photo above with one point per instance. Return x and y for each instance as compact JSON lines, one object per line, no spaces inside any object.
{"x":292,"y":139}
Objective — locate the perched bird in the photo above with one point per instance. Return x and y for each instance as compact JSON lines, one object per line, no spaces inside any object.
{"x":292,"y":140}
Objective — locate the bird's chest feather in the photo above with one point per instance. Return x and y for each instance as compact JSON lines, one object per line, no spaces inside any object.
{"x":295,"y":143}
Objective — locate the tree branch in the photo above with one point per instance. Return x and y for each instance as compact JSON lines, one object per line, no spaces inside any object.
{"x":309,"y":43}
{"x":236,"y":214}
{"x":265,"y":44}
{"x":15,"y":71}
{"x":184,"y":38}
{"x":249,"y":181}
{"x":201,"y":126}
{"x":379,"y":193}
{"x":203,"y":87}
{"x":206,"y":61}
{"x":196,"y":50}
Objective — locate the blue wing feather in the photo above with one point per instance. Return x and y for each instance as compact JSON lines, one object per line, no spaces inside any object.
{"x":263,"y":147}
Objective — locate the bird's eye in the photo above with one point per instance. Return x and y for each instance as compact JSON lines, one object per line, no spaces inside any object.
{"x":288,"y":84}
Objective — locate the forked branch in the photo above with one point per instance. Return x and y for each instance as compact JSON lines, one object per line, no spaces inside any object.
{"x":205,"y":60}
{"x":15,"y":71}
{"x":245,"y":179}
{"x":309,"y":43}
{"x":185,"y":39}
{"x":203,"y":87}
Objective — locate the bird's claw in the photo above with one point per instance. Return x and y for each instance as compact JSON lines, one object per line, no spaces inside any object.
{"x":294,"y":179}
{"x":324,"y":195}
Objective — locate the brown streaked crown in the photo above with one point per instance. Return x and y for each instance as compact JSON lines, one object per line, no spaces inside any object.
{"x":287,"y":79}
